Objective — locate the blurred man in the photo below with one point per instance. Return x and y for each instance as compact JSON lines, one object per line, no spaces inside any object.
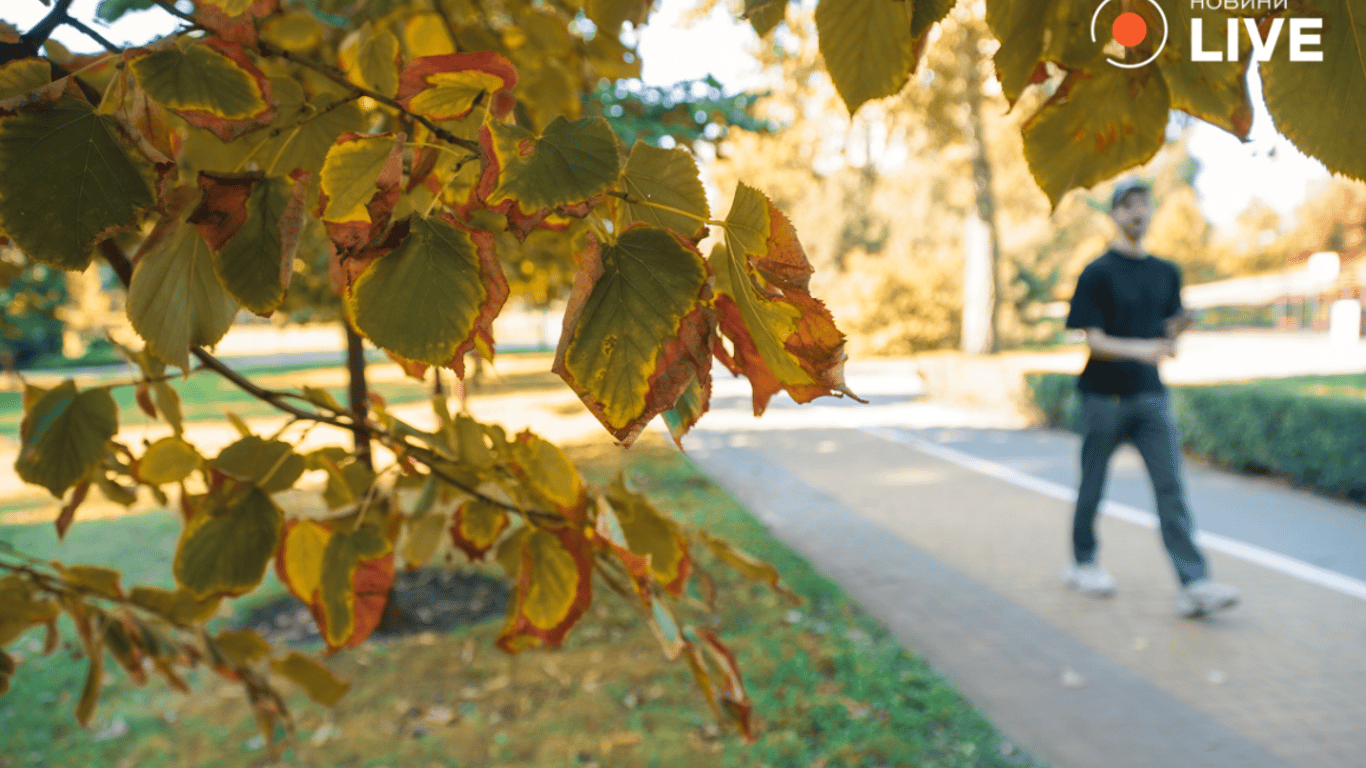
{"x":1129,"y":303}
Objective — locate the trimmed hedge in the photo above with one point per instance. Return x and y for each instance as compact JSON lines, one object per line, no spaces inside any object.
{"x":1257,"y":427}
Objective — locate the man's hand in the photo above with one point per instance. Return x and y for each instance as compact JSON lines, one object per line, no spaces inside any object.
{"x":1177,"y":324}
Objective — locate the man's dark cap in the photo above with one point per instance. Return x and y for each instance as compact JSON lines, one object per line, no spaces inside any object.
{"x":1123,"y":188}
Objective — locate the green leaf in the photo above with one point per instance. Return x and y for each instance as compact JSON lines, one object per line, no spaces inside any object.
{"x":257,"y":259}
{"x":784,"y":339}
{"x":927,"y":13}
{"x":665,"y":177}
{"x":317,"y":680}
{"x":1032,"y":33}
{"x":1313,"y":102}
{"x":177,"y":606}
{"x":637,"y":327}
{"x":175,"y":300}
{"x":69,"y":181}
{"x":241,"y":646}
{"x":764,"y":15}
{"x":1095,"y":126}
{"x":209,"y":82}
{"x":63,"y":435}
{"x":567,"y":164}
{"x":272,"y":465}
{"x":112,"y":10}
{"x":433,"y":296}
{"x":371,"y":60}
{"x":228,"y":542}
{"x":867,"y":47}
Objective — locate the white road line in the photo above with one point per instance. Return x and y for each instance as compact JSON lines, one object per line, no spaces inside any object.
{"x":1249,"y":552}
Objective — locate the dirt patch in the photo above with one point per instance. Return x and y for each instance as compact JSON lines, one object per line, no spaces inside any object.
{"x":425,"y":600}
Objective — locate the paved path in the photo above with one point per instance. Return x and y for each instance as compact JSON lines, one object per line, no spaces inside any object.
{"x":951,"y":527}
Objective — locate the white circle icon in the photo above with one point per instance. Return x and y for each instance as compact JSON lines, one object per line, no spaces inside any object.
{"x":1136,"y":29}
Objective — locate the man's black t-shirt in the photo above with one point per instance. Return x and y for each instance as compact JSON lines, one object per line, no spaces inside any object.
{"x":1126,"y":297}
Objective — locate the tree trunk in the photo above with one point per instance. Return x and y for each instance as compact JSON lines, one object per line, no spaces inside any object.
{"x":981,"y":276}
{"x":357,"y":393}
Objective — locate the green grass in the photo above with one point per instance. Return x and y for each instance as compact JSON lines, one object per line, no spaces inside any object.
{"x":831,"y":686}
{"x":1350,"y":386}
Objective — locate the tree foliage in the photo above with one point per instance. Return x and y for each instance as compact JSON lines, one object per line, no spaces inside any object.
{"x":406,"y":153}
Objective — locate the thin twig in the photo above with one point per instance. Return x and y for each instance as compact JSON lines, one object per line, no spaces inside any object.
{"x":174,"y":11}
{"x":338,"y":77}
{"x":92,"y":34}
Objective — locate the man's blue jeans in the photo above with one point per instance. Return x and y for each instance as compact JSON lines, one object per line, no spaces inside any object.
{"x":1145,"y":420}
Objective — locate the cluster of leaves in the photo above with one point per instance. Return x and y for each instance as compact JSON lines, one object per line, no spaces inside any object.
{"x":1100,"y":119}
{"x":417,"y":151}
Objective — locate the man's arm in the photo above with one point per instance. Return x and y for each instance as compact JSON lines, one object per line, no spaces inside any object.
{"x":1178,"y":323}
{"x":1108,"y":347}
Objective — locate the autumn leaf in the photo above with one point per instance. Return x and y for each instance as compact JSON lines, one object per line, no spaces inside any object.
{"x":168,"y":460}
{"x":650,"y":533}
{"x":70,"y":180}
{"x":175,"y":300}
{"x":476,"y":527}
{"x":360,"y":185}
{"x":638,"y":327}
{"x":554,"y":588}
{"x":63,"y":435}
{"x":1311,"y":101}
{"x":433,"y":298}
{"x":271,"y":465}
{"x":548,"y":475}
{"x":211,"y":83}
{"x":448,"y":87}
{"x":784,"y":339}
{"x":370,"y":59}
{"x":1095,"y":126}
{"x":228,"y":541}
{"x":528,"y":176}
{"x":668,"y":178}
{"x":867,"y":47}
{"x":342,"y":575}
{"x":748,"y":565}
{"x":317,"y":680}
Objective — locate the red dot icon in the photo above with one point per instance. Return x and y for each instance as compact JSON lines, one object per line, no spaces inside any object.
{"x":1129,"y":29}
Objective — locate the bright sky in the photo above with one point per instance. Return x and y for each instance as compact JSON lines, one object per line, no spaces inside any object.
{"x":1233,"y":173}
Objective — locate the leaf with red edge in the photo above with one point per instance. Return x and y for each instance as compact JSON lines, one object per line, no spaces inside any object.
{"x":609,"y":536}
{"x":652,"y":534}
{"x":68,"y":513}
{"x":360,"y":185}
{"x":434,"y":297}
{"x":565,"y":169}
{"x":748,"y":565}
{"x":728,"y":685}
{"x":210,"y":83}
{"x":449,"y":87}
{"x":554,"y":588}
{"x":235,"y":27}
{"x":358,"y":570}
{"x":253,"y":225}
{"x":638,"y":327}
{"x":548,"y":476}
{"x":477,"y":526}
{"x":784,"y":339}
{"x":343,"y":575}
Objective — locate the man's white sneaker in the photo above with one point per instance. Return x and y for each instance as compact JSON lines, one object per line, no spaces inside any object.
{"x":1091,"y":579}
{"x":1203,"y":597}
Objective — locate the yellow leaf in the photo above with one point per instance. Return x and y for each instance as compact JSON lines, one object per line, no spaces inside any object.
{"x":177,"y":606}
{"x":300,"y":562}
{"x":477,"y":525}
{"x":23,"y":75}
{"x":316,"y":680}
{"x":294,"y":31}
{"x":867,"y":47}
{"x":168,"y":460}
{"x":650,"y":533}
{"x":94,"y":579}
{"x":548,"y":473}
{"x":354,"y":165}
{"x":241,"y":646}
{"x":426,"y":34}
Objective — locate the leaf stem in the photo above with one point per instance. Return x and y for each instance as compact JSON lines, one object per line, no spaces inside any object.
{"x":668,"y":208}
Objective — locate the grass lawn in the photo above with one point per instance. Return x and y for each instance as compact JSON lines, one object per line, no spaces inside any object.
{"x":1348,"y":385}
{"x":831,"y":687}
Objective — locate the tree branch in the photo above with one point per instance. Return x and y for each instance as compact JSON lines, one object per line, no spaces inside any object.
{"x":340,"y":79}
{"x":34,"y":38}
{"x":174,"y":11}
{"x":116,"y":258}
{"x":92,"y":34}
